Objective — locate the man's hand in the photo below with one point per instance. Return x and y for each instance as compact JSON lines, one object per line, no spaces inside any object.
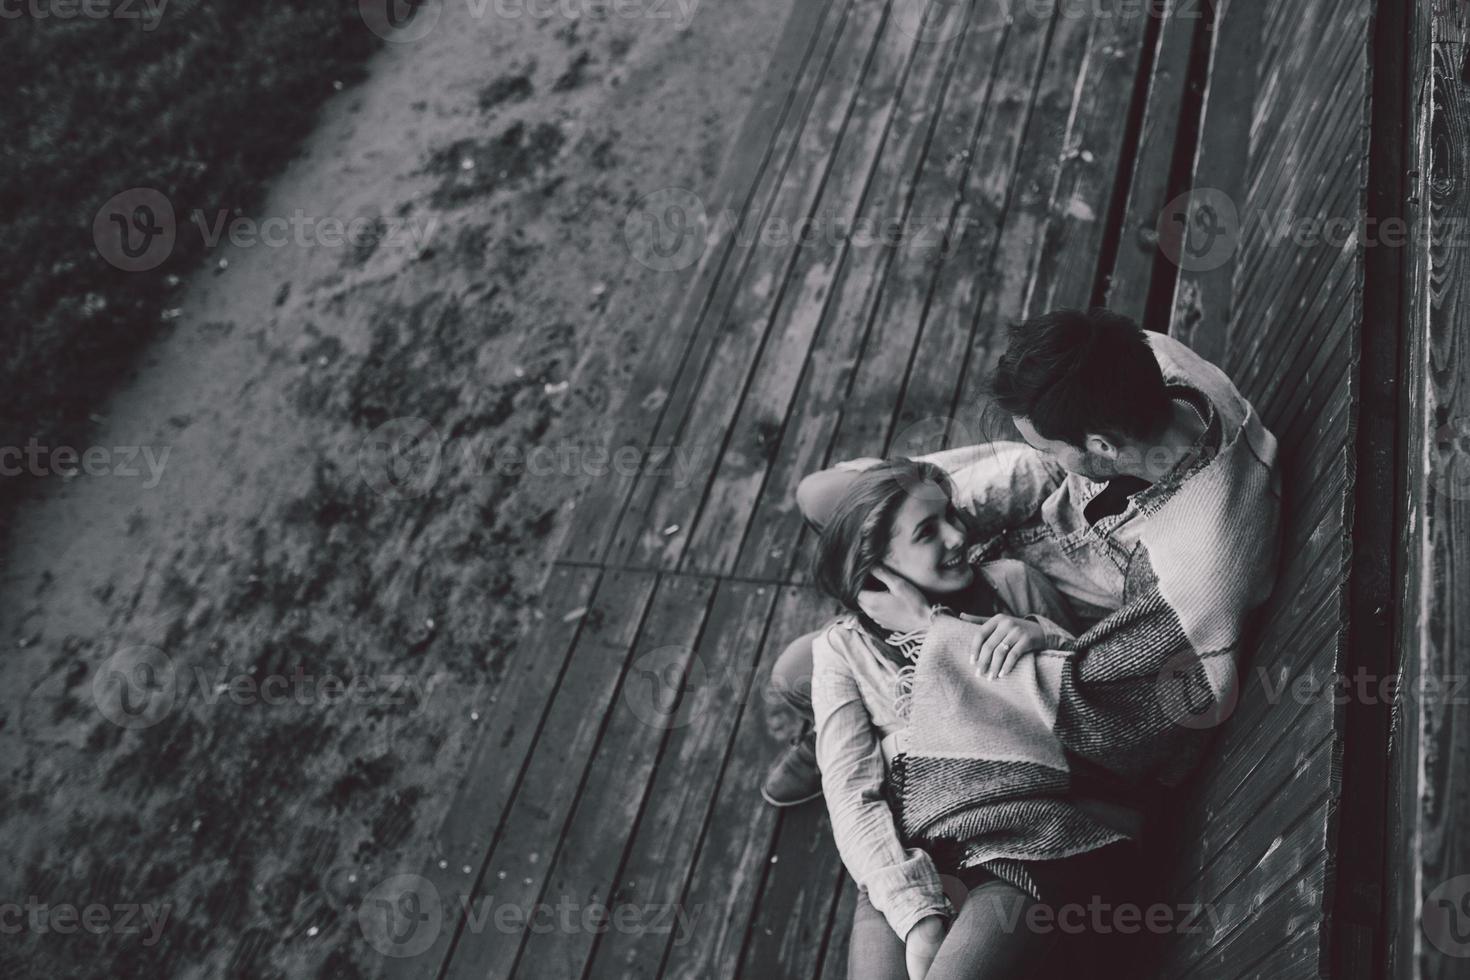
{"x":1004,"y":641}
{"x":902,"y":609}
{"x":922,"y":945}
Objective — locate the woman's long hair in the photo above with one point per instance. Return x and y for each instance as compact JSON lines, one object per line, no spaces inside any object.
{"x":857,"y":536}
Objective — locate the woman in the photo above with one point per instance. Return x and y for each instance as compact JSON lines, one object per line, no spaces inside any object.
{"x":897,"y":521}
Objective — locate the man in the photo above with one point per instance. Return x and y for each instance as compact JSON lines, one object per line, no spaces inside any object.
{"x":1117,"y":422}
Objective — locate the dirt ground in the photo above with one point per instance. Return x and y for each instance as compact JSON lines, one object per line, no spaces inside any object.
{"x":248,"y":648}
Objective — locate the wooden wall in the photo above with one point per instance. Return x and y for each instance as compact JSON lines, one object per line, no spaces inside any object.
{"x":1427,"y":915}
{"x":1278,"y":301}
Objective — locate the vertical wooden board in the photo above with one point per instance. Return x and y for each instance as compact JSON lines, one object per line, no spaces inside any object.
{"x":716,"y":693}
{"x":584,"y":874}
{"x":511,"y":726}
{"x":897,"y":195}
{"x":755,"y":166}
{"x":1202,"y":292}
{"x":1131,"y":277}
{"x":548,"y":789}
{"x":1291,"y":914}
{"x":1233,"y":888}
{"x":779,"y":307}
{"x":971,"y":166}
{"x":1066,"y":271}
{"x":867,"y":422}
{"x":869,"y":58}
{"x":1287,"y":136}
{"x":834,"y":960}
{"x":965,"y":270}
{"x":725,"y":883}
{"x":887,"y":360}
{"x":1432,"y":809}
{"x":794,"y":910}
{"x":1292,"y":782}
{"x":1008,"y":278}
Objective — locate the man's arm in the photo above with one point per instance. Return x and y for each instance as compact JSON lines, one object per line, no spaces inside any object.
{"x":998,"y":485}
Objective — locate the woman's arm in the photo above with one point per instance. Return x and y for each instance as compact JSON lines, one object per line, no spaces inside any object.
{"x":902,"y":882}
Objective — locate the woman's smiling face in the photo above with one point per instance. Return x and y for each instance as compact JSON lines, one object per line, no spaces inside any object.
{"x":927,"y":543}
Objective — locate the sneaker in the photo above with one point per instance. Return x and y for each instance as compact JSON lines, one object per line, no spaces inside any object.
{"x":794,"y":778}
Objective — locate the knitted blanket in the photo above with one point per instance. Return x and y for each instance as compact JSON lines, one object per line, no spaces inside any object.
{"x":984,"y":778}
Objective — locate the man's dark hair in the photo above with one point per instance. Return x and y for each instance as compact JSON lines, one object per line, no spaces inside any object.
{"x":1071,"y":372}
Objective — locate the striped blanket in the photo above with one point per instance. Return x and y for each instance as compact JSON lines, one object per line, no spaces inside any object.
{"x":984,"y":778}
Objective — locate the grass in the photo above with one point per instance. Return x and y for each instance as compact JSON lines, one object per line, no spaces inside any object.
{"x":200,"y":101}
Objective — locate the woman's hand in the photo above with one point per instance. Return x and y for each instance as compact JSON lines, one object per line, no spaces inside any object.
{"x":1004,"y":641}
{"x":902,"y":609}
{"x":922,"y":945}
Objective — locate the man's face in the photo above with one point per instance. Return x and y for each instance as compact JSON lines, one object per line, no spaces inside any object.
{"x":1093,"y":463}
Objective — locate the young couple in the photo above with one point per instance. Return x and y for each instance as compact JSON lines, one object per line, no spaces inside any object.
{"x":1037,"y":634}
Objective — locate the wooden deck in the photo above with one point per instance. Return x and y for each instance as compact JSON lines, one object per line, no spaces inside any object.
{"x":1026,"y":158}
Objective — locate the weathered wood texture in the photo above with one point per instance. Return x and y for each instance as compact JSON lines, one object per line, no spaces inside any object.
{"x":1277,"y":298}
{"x":1427,"y":919}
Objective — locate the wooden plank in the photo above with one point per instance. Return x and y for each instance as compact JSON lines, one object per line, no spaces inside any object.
{"x":547,"y":790}
{"x":512,"y":723}
{"x":1291,"y":915}
{"x":1314,"y":133}
{"x":716,"y":693}
{"x":794,"y":910}
{"x":1026,"y":216}
{"x":1025,"y":137}
{"x":726,"y":879}
{"x":1430,"y":807}
{"x":1203,"y":296}
{"x":1294,"y":778}
{"x":829,"y":272}
{"x":869,"y":58}
{"x":756,"y":165}
{"x":834,"y":962}
{"x":1067,"y":271}
{"x":1235,"y":885}
{"x":982,"y":168}
{"x":949,"y":321}
{"x":1131,"y":278}
{"x":584,"y":874}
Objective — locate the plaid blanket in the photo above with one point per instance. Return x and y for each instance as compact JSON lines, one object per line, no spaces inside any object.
{"x":984,"y":778}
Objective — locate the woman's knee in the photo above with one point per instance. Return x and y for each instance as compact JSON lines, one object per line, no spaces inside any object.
{"x":791,"y":674}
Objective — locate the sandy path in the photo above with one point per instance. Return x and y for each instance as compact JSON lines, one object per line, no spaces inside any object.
{"x":500,"y":154}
